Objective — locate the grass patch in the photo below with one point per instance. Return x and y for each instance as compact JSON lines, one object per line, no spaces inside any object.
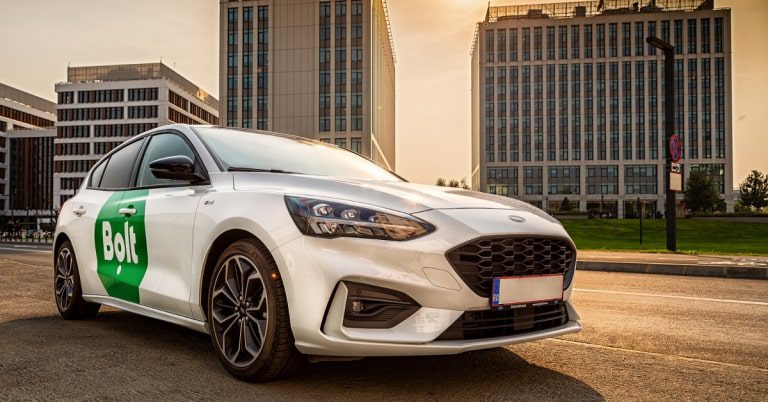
{"x":693,"y":236}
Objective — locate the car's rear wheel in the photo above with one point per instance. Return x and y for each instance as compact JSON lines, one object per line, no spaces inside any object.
{"x":66,"y":284}
{"x":248,"y":315}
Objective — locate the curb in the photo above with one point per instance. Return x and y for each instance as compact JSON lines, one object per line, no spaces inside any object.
{"x":715,"y":271}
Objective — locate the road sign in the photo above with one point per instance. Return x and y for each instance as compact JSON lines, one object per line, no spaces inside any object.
{"x":675,"y":148}
{"x":675,"y":177}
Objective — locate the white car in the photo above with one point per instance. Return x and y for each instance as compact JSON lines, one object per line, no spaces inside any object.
{"x":286,"y":250}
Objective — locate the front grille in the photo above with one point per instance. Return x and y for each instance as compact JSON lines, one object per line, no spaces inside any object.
{"x":477,"y":262}
{"x":499,"y":323}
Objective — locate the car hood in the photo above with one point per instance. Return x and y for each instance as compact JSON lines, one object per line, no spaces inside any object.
{"x":399,"y":196}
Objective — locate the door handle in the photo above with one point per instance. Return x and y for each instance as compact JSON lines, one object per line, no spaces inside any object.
{"x":128,"y":212}
{"x":79,"y":211}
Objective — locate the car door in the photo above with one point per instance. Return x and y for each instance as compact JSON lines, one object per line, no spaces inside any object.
{"x":167,"y":209}
{"x":108,"y":270}
{"x":81,"y":211}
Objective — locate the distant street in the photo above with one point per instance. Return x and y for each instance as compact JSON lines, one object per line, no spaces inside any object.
{"x":650,"y":337}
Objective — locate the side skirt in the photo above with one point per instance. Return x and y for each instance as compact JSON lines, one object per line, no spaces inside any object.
{"x":199,"y":326}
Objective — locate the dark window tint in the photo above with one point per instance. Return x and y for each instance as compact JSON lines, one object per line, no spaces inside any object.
{"x":162,"y":146}
{"x":97,"y":173}
{"x":118,"y":172}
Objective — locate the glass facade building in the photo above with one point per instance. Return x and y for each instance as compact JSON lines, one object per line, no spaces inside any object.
{"x":26,"y":157}
{"x":568,"y":102}
{"x":99,"y":107}
{"x":323,"y":69}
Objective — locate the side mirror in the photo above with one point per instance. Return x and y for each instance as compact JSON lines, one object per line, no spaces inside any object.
{"x":178,"y":167}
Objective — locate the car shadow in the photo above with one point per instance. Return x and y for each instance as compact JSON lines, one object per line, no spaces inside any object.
{"x":173,"y":362}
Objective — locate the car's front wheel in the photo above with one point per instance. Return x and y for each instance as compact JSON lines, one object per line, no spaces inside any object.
{"x":248,"y":315}
{"x":67,"y":287}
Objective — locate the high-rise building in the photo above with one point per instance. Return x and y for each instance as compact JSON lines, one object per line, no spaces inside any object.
{"x":318,"y":69}
{"x":99,"y":107}
{"x":26,"y":154}
{"x":568,"y":102}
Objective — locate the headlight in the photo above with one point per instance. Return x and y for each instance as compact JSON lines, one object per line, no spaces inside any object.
{"x":327,"y":218}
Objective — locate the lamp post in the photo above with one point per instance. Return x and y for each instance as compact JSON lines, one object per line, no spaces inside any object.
{"x":669,"y":129}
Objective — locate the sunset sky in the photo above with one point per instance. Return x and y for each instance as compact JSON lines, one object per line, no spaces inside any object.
{"x":432,"y":43}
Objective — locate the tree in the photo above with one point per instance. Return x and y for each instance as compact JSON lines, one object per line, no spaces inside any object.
{"x":754,"y":190}
{"x":463,"y":183}
{"x":700,"y":193}
{"x":453,"y":183}
{"x":565,"y":206}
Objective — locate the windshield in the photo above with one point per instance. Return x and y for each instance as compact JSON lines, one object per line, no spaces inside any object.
{"x":246,"y":150}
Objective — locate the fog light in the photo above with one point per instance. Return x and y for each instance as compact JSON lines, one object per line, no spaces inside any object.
{"x":358,"y":306}
{"x":376,"y":307}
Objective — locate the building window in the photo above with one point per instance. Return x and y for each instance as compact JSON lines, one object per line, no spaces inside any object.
{"x":678,"y":37}
{"x":705,"y":35}
{"x":513,"y":44}
{"x":626,"y":43}
{"x":575,"y":45}
{"x":640,"y":179}
{"x":603,"y":179}
{"x":502,"y":181}
{"x":526,"y":44}
{"x":532,"y":180}
{"x":613,"y":39}
{"x":537,"y":45}
{"x":357,"y":123}
{"x":588,"y":41}
{"x":341,"y":8}
{"x":564,"y":180}
{"x":357,"y":145}
{"x":357,"y":7}
{"x":600,"y":40}
{"x":563,"y":42}
{"x":325,"y":124}
{"x":718,"y":35}
{"x":340,"y":142}
{"x":341,"y":123}
{"x":692,"y":36}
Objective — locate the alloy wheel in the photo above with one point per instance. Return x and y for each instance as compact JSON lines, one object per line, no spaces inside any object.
{"x":239,"y":310}
{"x":65,"y":279}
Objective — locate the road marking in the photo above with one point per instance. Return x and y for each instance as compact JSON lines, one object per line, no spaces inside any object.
{"x":22,"y":248}
{"x":642,"y":352}
{"x":756,"y":303}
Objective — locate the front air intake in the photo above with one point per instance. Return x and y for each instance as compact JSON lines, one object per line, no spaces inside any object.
{"x":480,"y":260}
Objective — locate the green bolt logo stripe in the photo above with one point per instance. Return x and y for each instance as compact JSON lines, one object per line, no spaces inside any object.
{"x":121,"y":245}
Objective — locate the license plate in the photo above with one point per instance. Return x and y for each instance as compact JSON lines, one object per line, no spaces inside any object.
{"x":510,"y":290}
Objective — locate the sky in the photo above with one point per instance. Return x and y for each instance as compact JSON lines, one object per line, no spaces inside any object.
{"x":433,"y":38}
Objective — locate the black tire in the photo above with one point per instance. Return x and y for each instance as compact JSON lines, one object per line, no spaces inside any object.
{"x":276,"y":356}
{"x":66,"y":286}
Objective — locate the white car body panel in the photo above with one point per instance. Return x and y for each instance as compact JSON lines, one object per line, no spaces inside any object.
{"x":182,"y":223}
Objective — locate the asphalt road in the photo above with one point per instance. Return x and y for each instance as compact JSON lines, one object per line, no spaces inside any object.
{"x":646,"y":337}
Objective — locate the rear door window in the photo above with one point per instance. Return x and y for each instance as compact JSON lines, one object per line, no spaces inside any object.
{"x":117,"y":174}
{"x":97,"y":173}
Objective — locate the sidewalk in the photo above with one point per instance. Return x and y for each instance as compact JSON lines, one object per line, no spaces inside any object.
{"x":722,"y":266}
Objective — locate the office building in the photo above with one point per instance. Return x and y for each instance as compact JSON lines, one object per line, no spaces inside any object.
{"x":99,"y":107}
{"x":568,"y":102}
{"x":318,"y":69}
{"x":26,"y":155}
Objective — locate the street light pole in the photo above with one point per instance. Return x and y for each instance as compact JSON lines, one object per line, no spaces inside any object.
{"x":670,"y":212}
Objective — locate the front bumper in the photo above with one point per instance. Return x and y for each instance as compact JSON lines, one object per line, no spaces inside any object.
{"x":313,"y":271}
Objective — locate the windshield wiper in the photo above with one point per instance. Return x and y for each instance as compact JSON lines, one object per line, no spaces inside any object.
{"x":247,"y":169}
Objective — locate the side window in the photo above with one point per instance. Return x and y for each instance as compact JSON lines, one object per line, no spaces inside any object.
{"x":162,"y":146}
{"x":117,"y":174}
{"x":97,"y":173}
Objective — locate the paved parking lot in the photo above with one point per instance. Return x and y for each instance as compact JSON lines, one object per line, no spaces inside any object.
{"x":646,"y":337}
